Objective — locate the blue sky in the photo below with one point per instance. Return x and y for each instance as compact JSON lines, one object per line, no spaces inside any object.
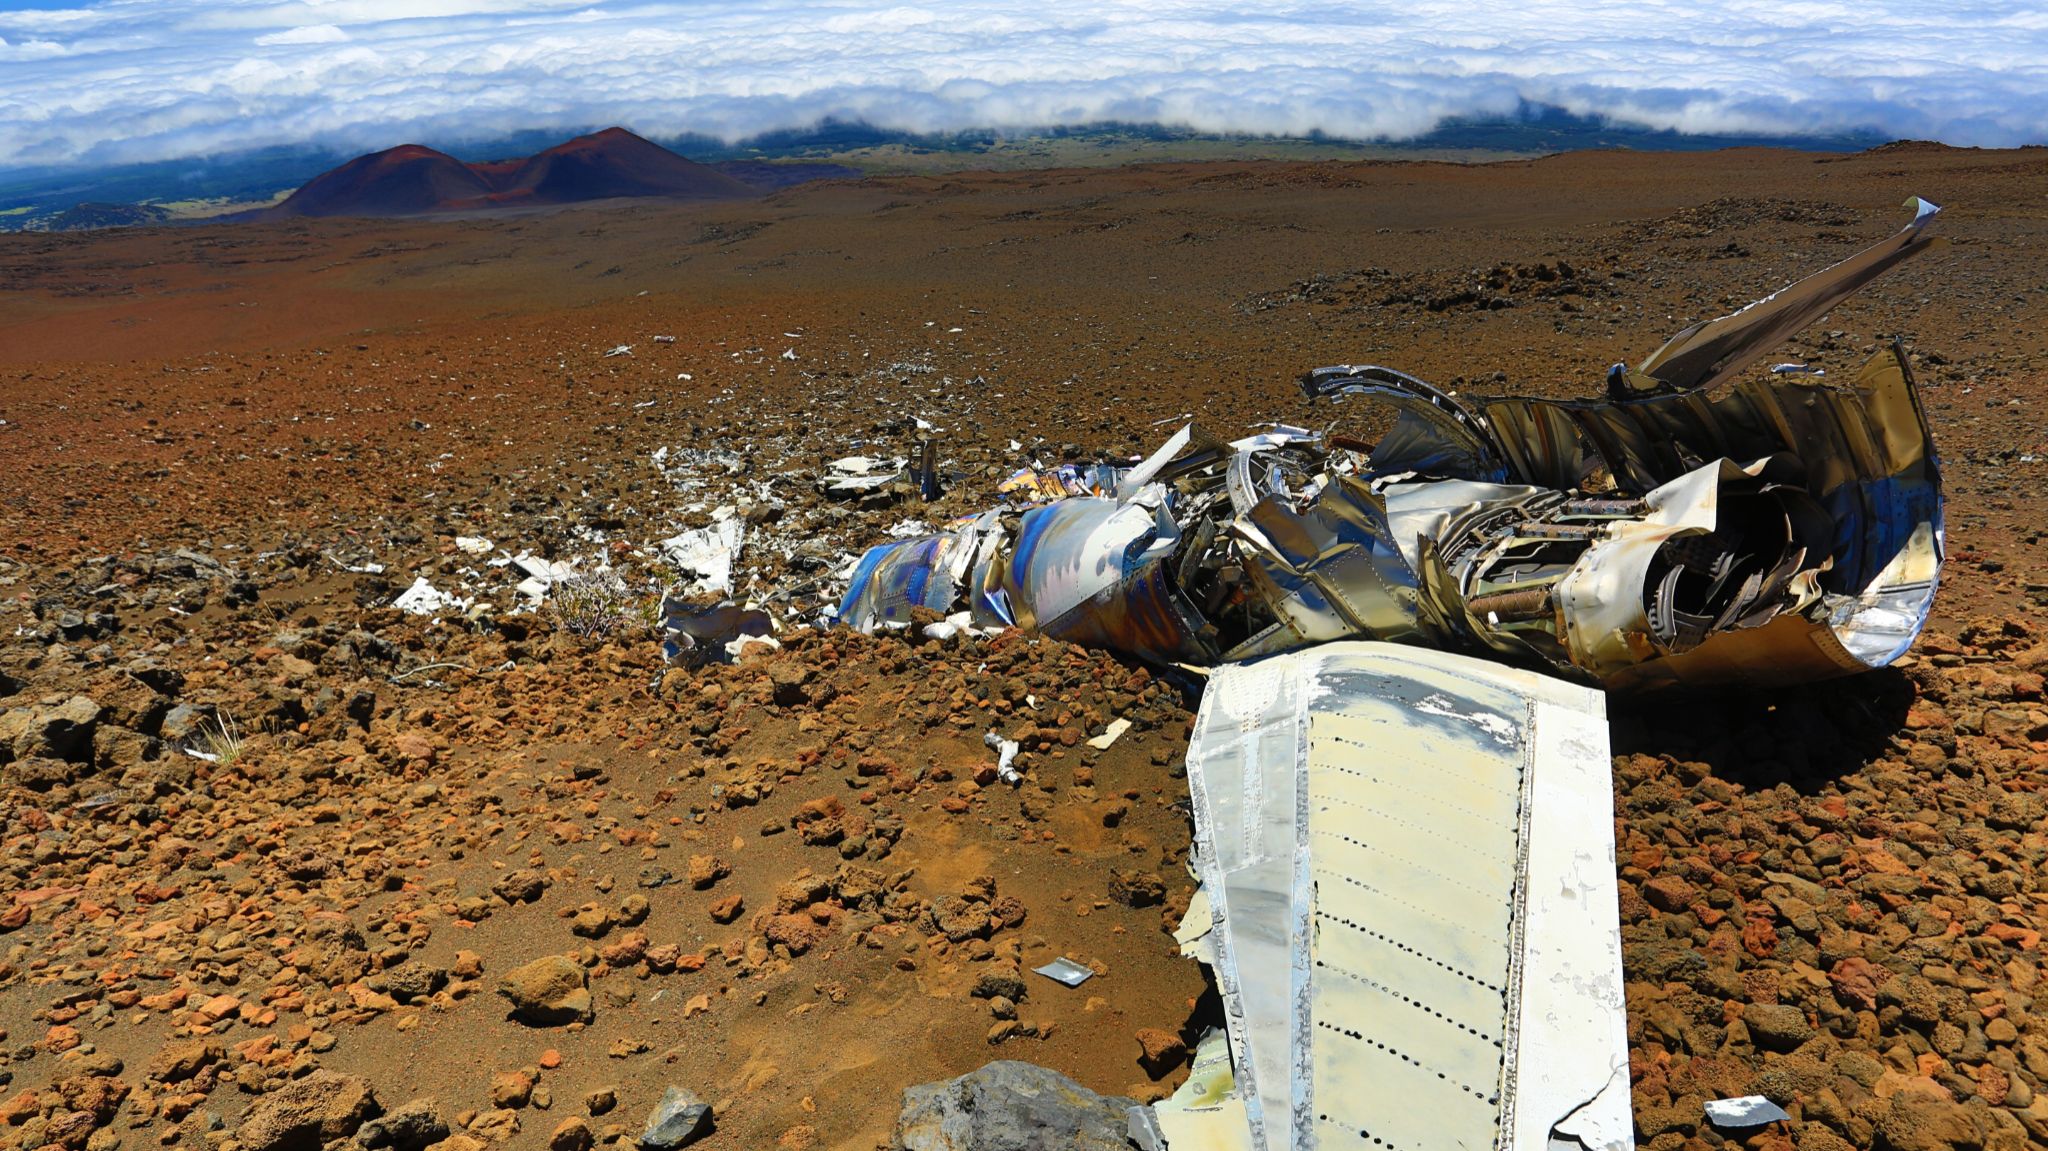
{"x":128,"y":80}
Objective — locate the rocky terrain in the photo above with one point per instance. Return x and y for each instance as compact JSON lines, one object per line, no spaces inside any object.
{"x":285,"y":864}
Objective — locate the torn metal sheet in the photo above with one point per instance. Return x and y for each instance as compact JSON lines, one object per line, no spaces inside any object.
{"x":1064,"y":970}
{"x":692,"y":633}
{"x":1411,"y":872}
{"x":541,"y":575}
{"x":1111,"y":732}
{"x":1205,"y":1113}
{"x":423,"y":598}
{"x":859,"y":476}
{"x":708,"y":553}
{"x":1689,"y":528}
{"x":1747,"y":1111}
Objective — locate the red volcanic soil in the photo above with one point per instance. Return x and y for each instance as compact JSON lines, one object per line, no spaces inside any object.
{"x":1835,"y":896}
{"x":412,"y":180}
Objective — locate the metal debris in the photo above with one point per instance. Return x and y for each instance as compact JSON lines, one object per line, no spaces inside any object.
{"x":707,"y":553}
{"x":694,"y":634}
{"x":1006,"y":752}
{"x":857,"y":476}
{"x":1064,"y":970}
{"x":1416,"y":930}
{"x":1690,"y":528}
{"x":422,"y":598}
{"x":1111,"y":732}
{"x":1747,"y":1111}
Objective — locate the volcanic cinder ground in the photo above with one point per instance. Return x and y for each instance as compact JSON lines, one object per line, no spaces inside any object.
{"x":791,"y":884}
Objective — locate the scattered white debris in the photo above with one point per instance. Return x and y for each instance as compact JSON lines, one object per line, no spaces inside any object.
{"x":540,"y":576}
{"x":664,"y":339}
{"x":422,"y":598}
{"x":473,"y":545}
{"x":621,"y":350}
{"x":684,"y":376}
{"x":1110,"y":734}
{"x":852,"y":475}
{"x":1746,"y":1111}
{"x":1006,"y":751}
{"x":708,"y":552}
{"x":366,"y":568}
{"x":956,"y":624}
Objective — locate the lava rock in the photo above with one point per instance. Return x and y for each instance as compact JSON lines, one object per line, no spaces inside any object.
{"x":408,"y":981}
{"x":305,"y":1114}
{"x":1160,"y":1051}
{"x":415,"y":1125}
{"x":1776,"y":1026}
{"x":1136,"y":888}
{"x":679,"y":1120}
{"x":549,"y":991}
{"x":1010,"y":1106}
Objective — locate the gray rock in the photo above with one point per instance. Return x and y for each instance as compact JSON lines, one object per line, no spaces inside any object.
{"x":679,"y":1120}
{"x":182,"y":722}
{"x":1011,"y":1106}
{"x":415,"y":1125}
{"x":63,"y":731}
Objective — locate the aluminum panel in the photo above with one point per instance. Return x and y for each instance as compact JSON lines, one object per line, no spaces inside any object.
{"x":1409,"y":859}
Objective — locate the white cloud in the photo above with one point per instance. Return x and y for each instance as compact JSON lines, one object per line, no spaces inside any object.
{"x":147,"y":79}
{"x":304,"y":34}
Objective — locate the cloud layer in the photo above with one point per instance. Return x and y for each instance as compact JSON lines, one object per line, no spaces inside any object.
{"x":129,"y":80}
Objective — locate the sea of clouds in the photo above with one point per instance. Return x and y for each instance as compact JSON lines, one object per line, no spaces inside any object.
{"x":130,"y":80}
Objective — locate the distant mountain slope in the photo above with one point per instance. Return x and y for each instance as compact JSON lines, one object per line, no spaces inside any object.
{"x":413,"y":180}
{"x":612,"y":163}
{"x":402,"y":181}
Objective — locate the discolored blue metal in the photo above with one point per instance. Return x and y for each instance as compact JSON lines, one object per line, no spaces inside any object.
{"x":1092,"y":571}
{"x":892,"y":578}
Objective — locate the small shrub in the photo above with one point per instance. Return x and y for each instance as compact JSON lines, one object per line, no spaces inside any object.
{"x":595,"y":606}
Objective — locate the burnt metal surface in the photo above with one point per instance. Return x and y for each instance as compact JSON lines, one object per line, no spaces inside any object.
{"x":1689,"y":528}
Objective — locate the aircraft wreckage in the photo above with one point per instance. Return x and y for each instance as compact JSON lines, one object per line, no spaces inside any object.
{"x":1399,"y":769}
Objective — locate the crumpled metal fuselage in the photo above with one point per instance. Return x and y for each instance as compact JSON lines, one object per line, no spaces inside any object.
{"x":1691,"y":527}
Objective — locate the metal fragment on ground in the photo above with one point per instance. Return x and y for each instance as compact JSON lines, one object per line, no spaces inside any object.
{"x":423,"y":598}
{"x":708,"y":553}
{"x":1006,"y":753}
{"x":1111,"y":732}
{"x":1747,"y":1111}
{"x":1416,"y":930}
{"x":694,"y":633}
{"x":1066,"y":971}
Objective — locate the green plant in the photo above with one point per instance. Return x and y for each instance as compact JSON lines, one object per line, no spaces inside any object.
{"x":593,"y":606}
